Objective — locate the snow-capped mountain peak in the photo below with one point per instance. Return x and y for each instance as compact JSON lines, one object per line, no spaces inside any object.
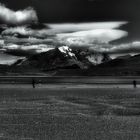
{"x":66,"y":50}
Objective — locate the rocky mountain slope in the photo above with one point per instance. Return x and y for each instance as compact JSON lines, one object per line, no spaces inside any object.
{"x":65,"y":61}
{"x":62,"y":57}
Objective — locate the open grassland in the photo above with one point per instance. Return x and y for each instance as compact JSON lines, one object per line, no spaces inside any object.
{"x":69,"y":114}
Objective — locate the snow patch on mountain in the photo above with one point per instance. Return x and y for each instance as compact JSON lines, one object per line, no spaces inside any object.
{"x":95,"y":59}
{"x":66,"y":50}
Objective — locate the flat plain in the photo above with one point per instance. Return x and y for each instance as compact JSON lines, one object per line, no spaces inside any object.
{"x":69,"y":112}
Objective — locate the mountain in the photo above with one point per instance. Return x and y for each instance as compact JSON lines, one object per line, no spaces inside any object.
{"x":121,"y":66}
{"x":95,"y":58}
{"x":98,"y":58}
{"x":125,"y":61}
{"x":124,"y":57}
{"x":63,"y":61}
{"x":58,"y":58}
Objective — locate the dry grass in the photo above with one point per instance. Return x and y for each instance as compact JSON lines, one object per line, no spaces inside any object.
{"x":69,"y":114}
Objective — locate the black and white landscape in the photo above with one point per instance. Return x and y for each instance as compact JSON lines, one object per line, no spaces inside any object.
{"x":69,"y":69}
{"x":99,"y":37}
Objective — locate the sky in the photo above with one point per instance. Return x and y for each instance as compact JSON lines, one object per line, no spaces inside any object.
{"x":79,"y":10}
{"x":110,"y":26}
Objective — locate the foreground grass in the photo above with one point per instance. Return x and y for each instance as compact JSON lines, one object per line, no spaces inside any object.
{"x":69,"y":114}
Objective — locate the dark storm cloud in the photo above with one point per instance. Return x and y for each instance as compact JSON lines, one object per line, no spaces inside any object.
{"x":19,"y":17}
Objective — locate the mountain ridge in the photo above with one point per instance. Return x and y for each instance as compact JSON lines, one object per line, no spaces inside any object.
{"x":64,"y":61}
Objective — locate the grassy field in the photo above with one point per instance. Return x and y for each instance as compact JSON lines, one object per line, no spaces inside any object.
{"x":69,"y":114}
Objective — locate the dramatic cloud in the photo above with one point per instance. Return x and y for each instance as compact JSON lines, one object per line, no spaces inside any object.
{"x":87,"y":38}
{"x":21,"y":30}
{"x":24,"y":50}
{"x":133,"y":47}
{"x":24,"y":40}
{"x":8,"y":59}
{"x":25,"y":32}
{"x":128,"y":48}
{"x":9,"y":16}
{"x":71,"y":27}
{"x":54,"y":29}
{"x":29,"y":41}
